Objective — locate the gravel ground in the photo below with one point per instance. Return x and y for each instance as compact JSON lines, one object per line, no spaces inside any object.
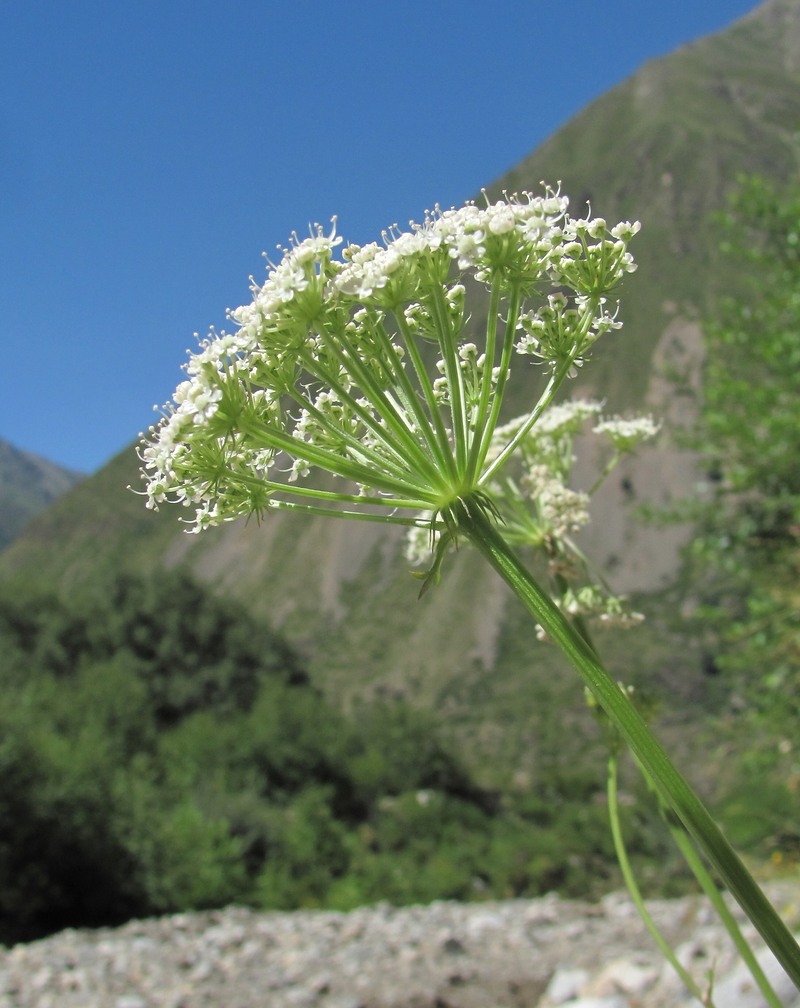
{"x":514,"y":954}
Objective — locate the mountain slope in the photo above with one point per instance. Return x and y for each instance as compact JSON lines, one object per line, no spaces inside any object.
{"x":664,"y":147}
{"x":27,"y":485}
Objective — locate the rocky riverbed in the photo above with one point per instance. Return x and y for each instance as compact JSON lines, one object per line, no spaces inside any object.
{"x":517,"y":954}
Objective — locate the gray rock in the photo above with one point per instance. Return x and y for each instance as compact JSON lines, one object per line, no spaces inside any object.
{"x":564,"y":986}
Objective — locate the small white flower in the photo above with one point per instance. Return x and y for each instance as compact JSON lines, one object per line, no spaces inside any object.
{"x":625,"y":230}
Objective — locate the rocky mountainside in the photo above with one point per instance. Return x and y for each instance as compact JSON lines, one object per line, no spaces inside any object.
{"x":665,"y":147}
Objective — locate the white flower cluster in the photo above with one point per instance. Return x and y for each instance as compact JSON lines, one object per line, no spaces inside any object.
{"x":549,"y":442}
{"x":515,"y":239}
{"x":330,"y":368}
{"x":625,"y":435}
{"x":298,"y":279}
{"x":561,"y":511}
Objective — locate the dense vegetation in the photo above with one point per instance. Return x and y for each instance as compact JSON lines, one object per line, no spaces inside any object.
{"x":745,"y":558}
{"x":159,"y":750}
{"x":750,"y":536}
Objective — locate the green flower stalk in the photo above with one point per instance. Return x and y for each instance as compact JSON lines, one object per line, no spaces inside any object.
{"x":351,"y":389}
{"x":694,"y":862}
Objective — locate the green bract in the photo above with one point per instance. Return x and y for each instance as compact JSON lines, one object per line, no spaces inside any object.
{"x":360,"y":367}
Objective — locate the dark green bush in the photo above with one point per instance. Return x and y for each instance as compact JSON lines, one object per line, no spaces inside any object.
{"x":160,"y":752}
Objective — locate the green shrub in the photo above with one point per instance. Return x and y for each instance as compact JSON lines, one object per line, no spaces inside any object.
{"x":161,"y":752}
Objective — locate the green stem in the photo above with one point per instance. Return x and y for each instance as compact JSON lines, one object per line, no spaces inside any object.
{"x":406,"y":444}
{"x":448,"y":344}
{"x":694,"y":861}
{"x":394,"y":460}
{"x":359,"y":515}
{"x":413,"y":402}
{"x":634,"y":891}
{"x":299,"y":490}
{"x":609,"y":467}
{"x":670,"y":784}
{"x":477,"y":453}
{"x":277,"y":439}
{"x":546,"y":397}
{"x":486,"y":428}
{"x":444,"y":454}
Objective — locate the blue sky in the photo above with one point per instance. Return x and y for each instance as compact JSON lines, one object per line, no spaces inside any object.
{"x":151,"y":151}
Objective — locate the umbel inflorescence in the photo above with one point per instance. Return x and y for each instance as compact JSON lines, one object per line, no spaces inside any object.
{"x":360,"y":366}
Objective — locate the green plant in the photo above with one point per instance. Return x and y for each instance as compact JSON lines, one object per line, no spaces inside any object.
{"x":359,"y":368}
